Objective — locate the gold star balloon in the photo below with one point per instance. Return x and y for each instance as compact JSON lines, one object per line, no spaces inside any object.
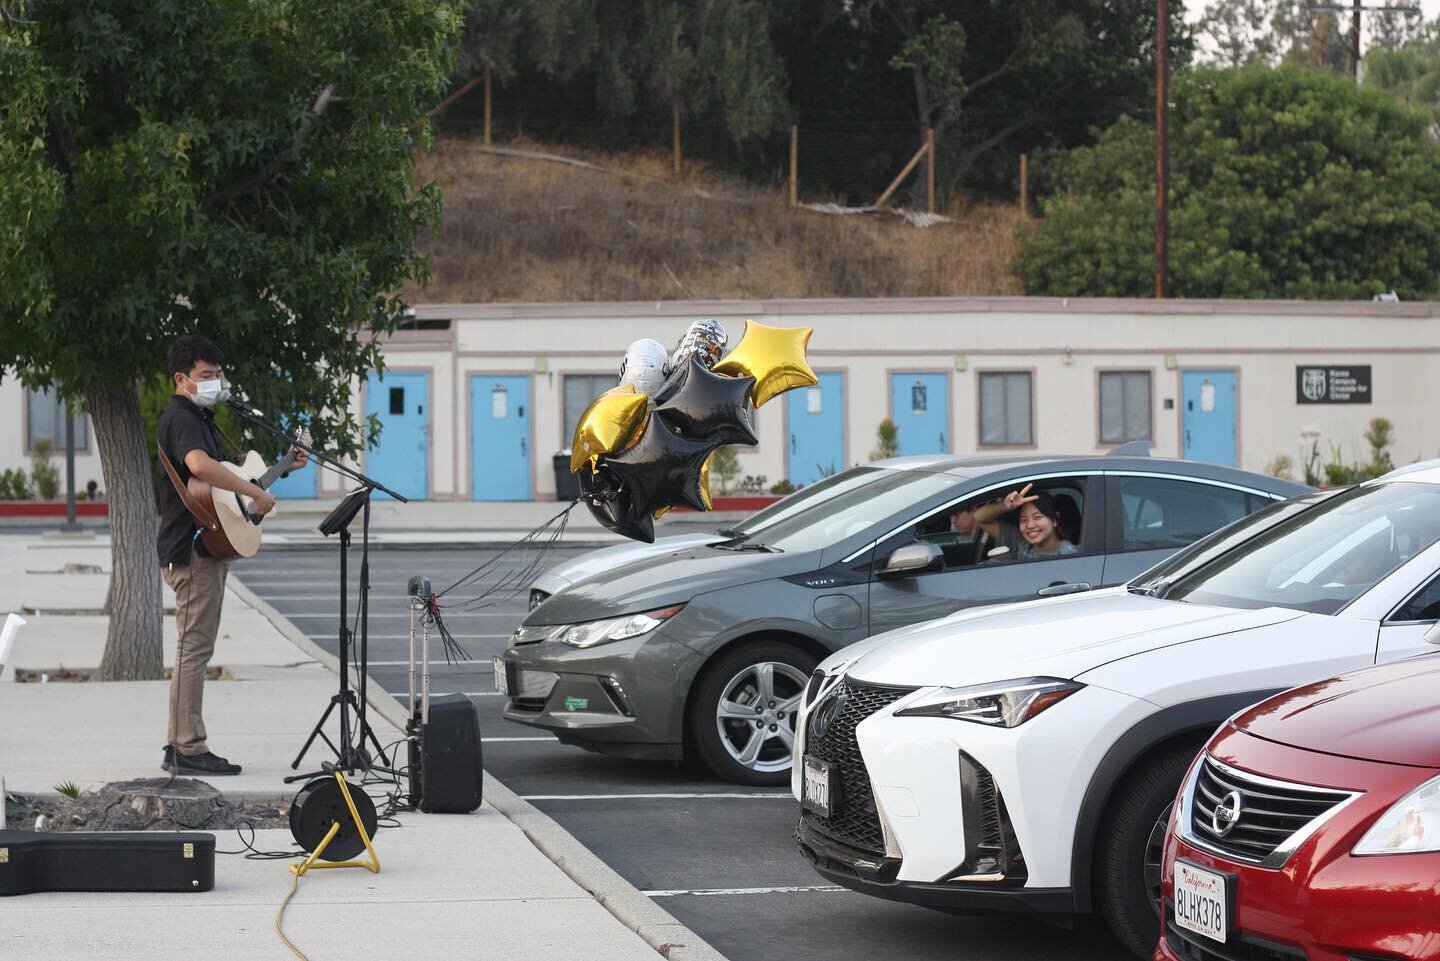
{"x":774,"y":356}
{"x":613,"y":422}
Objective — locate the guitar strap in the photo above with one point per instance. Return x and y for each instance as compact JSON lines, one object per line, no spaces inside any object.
{"x":202,"y":516}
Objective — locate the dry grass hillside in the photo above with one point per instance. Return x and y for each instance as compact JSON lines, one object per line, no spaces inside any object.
{"x":521,"y":229}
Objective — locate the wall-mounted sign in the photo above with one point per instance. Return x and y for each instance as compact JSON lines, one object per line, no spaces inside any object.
{"x":1332,"y":385}
{"x":919,"y":399}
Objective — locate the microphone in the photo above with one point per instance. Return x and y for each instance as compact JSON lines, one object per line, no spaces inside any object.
{"x":237,"y":400}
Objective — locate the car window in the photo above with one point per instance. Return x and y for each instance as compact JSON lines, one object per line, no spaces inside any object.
{"x":1324,"y":558}
{"x":1424,"y":606}
{"x":968,"y":548}
{"x":1163,"y":512}
{"x":880,"y":494}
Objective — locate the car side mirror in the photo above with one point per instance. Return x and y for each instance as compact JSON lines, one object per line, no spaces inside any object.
{"x":914,"y":559}
{"x":1432,"y":636}
{"x":997,"y":553}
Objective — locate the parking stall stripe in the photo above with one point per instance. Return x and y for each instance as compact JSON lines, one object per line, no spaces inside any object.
{"x":711,"y":892}
{"x":654,"y":797}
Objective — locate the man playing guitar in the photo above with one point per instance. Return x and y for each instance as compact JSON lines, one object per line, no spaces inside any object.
{"x":188,"y":437}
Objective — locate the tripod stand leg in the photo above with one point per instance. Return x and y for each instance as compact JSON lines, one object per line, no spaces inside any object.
{"x":316,"y":732}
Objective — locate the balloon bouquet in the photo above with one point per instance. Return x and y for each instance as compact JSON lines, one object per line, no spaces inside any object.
{"x":644,"y":446}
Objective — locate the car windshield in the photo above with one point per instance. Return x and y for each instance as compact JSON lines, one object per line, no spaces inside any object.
{"x":1226,"y":539}
{"x":1323,"y":558}
{"x":804,"y":498}
{"x":867,"y":496}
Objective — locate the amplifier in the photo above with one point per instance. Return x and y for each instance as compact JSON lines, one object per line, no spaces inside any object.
{"x":106,"y":861}
{"x":448,"y":750}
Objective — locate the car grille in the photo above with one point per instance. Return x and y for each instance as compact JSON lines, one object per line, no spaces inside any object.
{"x":1194,"y":947}
{"x":989,"y":804}
{"x":1275,"y":816}
{"x":853,"y":821}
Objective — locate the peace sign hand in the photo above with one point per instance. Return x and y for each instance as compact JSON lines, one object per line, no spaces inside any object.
{"x":1017,"y":499}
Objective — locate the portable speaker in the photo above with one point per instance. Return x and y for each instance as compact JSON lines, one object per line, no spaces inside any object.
{"x":106,"y":861}
{"x":448,"y":748}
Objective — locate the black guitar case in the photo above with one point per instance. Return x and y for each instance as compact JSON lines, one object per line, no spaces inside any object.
{"x":101,"y":861}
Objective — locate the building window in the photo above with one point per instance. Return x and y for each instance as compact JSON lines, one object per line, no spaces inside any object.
{"x":46,"y":422}
{"x":1124,"y":406}
{"x":580,"y":390}
{"x":1005,"y":417}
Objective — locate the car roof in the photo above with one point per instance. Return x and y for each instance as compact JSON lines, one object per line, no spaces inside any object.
{"x":977,"y":466}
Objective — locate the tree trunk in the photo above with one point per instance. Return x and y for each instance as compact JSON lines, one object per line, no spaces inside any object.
{"x":133,"y":644}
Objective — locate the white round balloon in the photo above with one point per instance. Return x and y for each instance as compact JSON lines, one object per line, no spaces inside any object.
{"x":644,"y":366}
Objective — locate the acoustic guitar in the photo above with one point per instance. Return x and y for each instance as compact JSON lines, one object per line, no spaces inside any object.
{"x":228,"y":526}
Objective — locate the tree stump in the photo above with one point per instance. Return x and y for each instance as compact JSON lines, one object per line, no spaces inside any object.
{"x":146,"y":804}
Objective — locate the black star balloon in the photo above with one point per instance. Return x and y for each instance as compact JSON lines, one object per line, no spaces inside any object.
{"x":614,"y":507}
{"x":663,"y":469}
{"x":710,"y":406}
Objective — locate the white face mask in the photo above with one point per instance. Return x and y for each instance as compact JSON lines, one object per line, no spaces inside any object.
{"x":207,"y":392}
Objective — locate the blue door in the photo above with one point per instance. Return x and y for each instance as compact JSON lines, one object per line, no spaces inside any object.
{"x":1207,"y":416}
{"x":301,"y":483}
{"x":919,"y":406}
{"x":816,"y":419}
{"x":500,"y":438}
{"x":401,"y":461}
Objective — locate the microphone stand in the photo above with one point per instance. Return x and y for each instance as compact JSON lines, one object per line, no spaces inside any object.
{"x":350,"y":753}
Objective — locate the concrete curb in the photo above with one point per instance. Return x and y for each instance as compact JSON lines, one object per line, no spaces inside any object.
{"x":655,"y":926}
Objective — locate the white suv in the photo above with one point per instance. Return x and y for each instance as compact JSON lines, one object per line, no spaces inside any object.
{"x":1024,"y":758}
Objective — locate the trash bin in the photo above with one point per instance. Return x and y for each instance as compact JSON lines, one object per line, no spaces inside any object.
{"x":567,"y":485}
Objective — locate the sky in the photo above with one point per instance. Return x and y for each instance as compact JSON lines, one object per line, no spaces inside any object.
{"x":1431,"y":7}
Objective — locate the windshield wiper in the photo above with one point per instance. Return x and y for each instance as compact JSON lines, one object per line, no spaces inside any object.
{"x":741,"y":545}
{"x":1153,"y":588}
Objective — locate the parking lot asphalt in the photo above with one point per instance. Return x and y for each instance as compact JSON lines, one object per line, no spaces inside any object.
{"x":720,"y":857}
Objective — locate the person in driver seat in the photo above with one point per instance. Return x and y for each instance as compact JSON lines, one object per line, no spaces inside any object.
{"x":1027,"y":524}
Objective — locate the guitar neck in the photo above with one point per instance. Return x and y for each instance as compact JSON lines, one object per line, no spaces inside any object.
{"x":283,"y":464}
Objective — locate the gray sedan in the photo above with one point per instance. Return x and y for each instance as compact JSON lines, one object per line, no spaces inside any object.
{"x":705,"y":649}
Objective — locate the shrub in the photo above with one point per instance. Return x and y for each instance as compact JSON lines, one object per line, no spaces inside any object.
{"x":724,"y":467}
{"x":44,"y":472}
{"x":782,"y":487}
{"x":1280,"y":467}
{"x":14,"y":486}
{"x":887,"y":440}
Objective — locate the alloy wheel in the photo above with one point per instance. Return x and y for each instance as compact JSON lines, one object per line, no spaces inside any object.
{"x":756,"y":715}
{"x":1155,"y":856}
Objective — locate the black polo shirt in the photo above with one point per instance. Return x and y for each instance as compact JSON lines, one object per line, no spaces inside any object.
{"x":183,"y":428}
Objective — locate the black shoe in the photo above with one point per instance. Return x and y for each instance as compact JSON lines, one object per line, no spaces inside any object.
{"x":206,"y":763}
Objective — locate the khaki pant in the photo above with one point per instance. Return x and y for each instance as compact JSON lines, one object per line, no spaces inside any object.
{"x":199,"y":592}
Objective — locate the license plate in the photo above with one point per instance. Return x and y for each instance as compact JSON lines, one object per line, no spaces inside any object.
{"x":502,"y":677}
{"x":819,"y":786}
{"x":1202,"y":900}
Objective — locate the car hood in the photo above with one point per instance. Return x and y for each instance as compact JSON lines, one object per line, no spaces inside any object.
{"x":670,"y":578}
{"x":1388,"y":713}
{"x":1063,"y":637}
{"x":606,"y":558}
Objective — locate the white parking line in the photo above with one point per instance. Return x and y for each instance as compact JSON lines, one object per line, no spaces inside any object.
{"x":655,"y":797}
{"x":493,"y":740}
{"x":449,"y":616}
{"x":464,"y":636}
{"x":788,"y":889}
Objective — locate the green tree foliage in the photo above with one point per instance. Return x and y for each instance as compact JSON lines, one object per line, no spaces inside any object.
{"x":712,"y":55}
{"x":1410,"y":71}
{"x":1285,"y":183}
{"x":236,"y":168}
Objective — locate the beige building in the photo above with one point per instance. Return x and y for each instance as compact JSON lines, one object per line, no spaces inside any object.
{"x":478,"y":398}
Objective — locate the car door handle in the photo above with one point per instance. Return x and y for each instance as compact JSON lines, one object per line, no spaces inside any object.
{"x":1062,"y":588}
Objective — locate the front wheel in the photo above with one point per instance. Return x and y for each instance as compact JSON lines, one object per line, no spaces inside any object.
{"x":742,"y":716}
{"x":1131,"y":848}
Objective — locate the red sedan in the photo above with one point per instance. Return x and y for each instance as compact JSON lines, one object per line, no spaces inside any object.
{"x":1309,"y":827}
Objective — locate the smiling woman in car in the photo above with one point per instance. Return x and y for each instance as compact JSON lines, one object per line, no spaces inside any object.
{"x":1027,"y":525}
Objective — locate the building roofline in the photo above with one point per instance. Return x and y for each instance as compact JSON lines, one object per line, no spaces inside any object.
{"x":1421,"y":309}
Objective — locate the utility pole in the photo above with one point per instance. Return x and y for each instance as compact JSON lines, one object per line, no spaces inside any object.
{"x":1162,"y":149}
{"x":1355,"y":9}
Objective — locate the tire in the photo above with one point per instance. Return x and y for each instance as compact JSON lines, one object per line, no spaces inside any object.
{"x":728,"y":744}
{"x":1128,"y":852}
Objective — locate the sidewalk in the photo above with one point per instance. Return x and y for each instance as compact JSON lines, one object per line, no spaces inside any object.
{"x":431,"y":524}
{"x":503,"y":883}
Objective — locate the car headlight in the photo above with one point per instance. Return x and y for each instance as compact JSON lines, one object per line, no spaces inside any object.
{"x":1001,"y":704}
{"x":1411,"y":825}
{"x":616,"y":628}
